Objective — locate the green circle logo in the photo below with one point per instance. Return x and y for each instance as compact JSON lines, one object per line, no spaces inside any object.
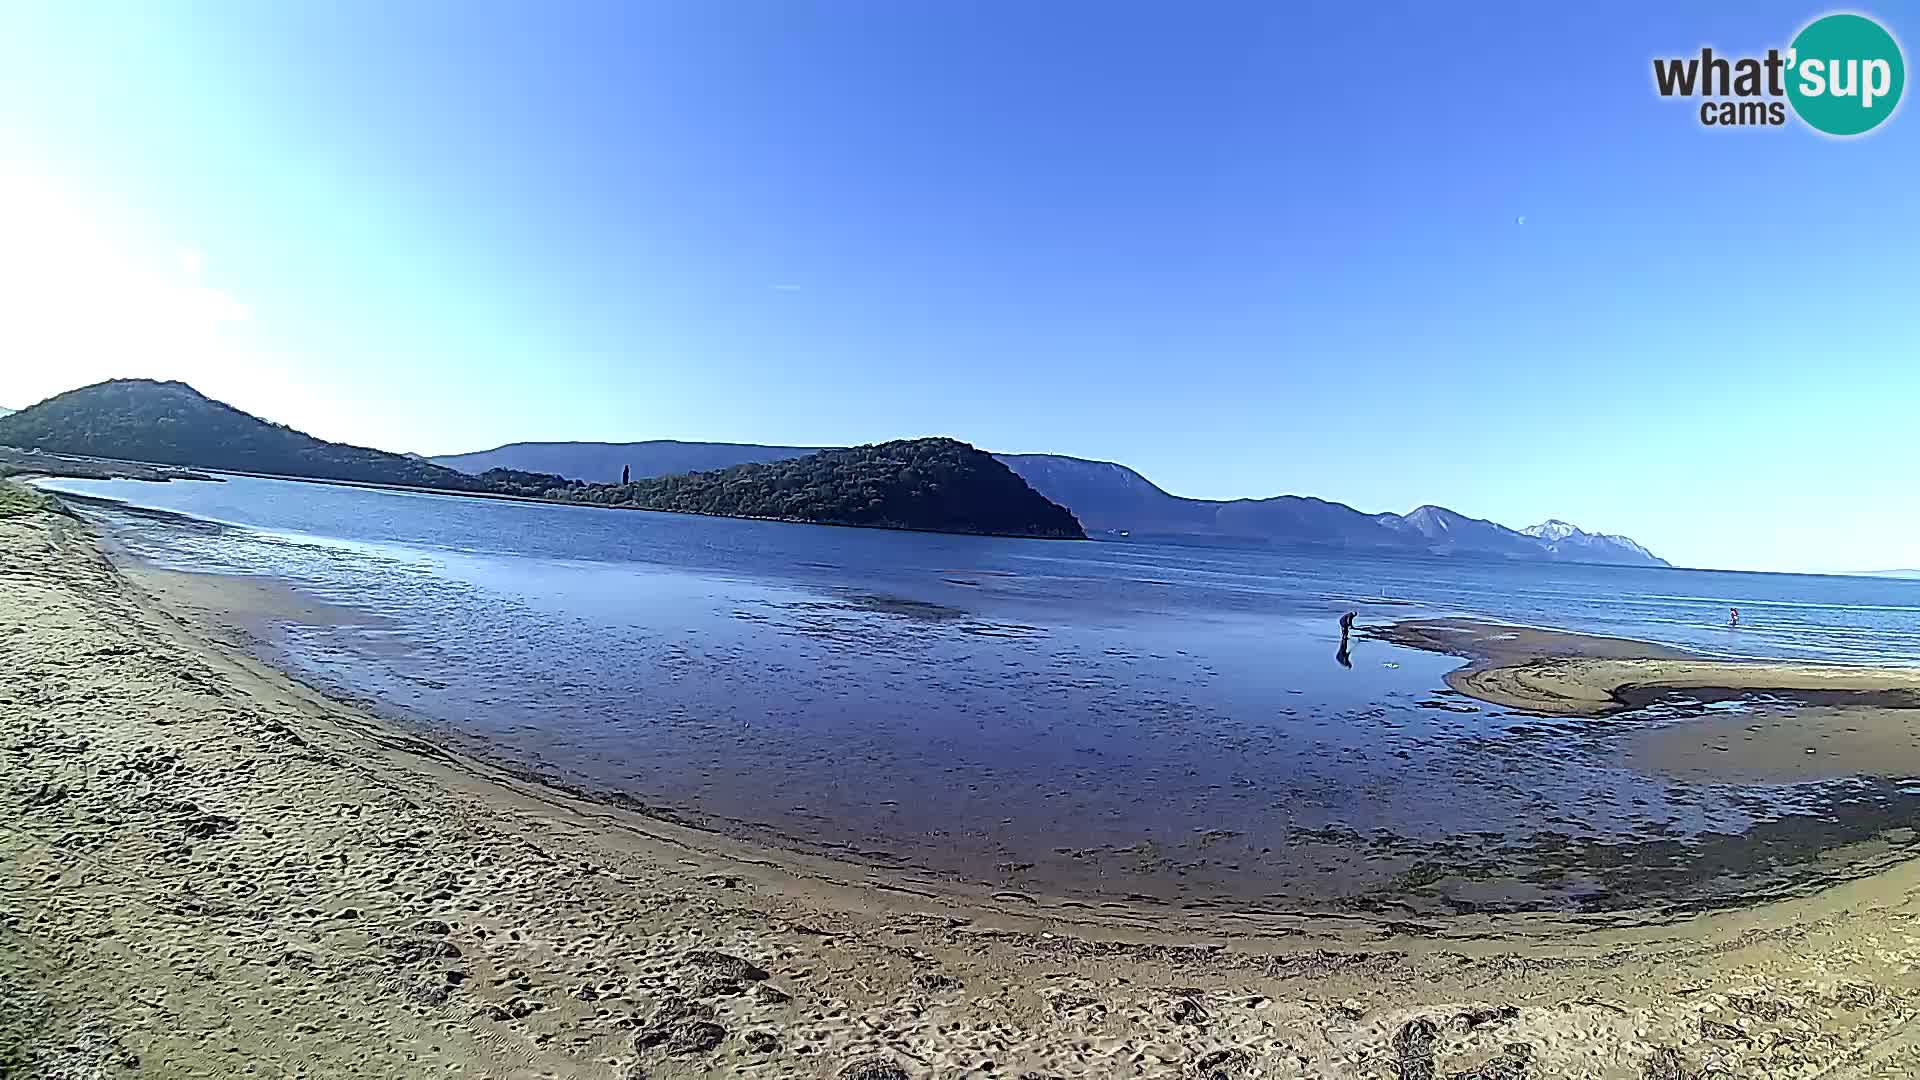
{"x":1845,"y":74}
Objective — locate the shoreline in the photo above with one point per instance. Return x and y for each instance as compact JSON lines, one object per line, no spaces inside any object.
{"x":1563,"y":673}
{"x":1637,"y":887}
{"x":48,"y":466}
{"x":223,"y":820}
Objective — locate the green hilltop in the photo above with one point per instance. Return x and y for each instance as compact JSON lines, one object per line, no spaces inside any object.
{"x":942,"y":485}
{"x":938,"y":485}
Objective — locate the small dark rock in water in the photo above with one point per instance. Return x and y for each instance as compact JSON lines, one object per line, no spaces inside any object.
{"x":1186,"y":1010}
{"x":210,"y":825}
{"x":428,"y":994}
{"x":1413,"y":1046}
{"x":767,"y":995}
{"x":404,"y":951}
{"x":933,"y":982}
{"x":873,"y":1068}
{"x":1712,"y":1029}
{"x":1857,"y":995}
{"x":727,"y":964}
{"x":1667,"y":1064}
{"x":762,"y":1042}
{"x":1474,"y":1018}
{"x":1229,"y":1064}
{"x":1765,"y":1008}
{"x":716,"y":972}
{"x":432,"y":926}
{"x":1416,"y":1038}
{"x":669,"y":1015}
{"x":696,"y":1037}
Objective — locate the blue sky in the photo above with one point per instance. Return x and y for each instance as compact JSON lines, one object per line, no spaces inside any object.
{"x":1248,"y":248}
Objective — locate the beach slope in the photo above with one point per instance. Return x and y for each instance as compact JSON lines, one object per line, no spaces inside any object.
{"x":207,"y":869}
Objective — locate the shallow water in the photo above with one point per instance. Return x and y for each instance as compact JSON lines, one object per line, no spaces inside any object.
{"x":1093,"y":719}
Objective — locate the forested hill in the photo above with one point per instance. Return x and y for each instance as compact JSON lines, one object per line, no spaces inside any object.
{"x":940,"y":485}
{"x":171,"y":423}
{"x":603,"y":463}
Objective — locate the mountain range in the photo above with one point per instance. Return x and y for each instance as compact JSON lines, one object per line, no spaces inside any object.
{"x":939,"y":485}
{"x":1113,"y":499}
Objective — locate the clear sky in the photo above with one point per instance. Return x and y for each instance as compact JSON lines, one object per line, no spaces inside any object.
{"x":1390,"y":255}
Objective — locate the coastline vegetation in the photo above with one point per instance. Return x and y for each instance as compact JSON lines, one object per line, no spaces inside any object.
{"x":936,"y":485}
{"x":942,"y":485}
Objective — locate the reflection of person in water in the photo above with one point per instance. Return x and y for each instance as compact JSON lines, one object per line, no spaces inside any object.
{"x":1346,"y":626}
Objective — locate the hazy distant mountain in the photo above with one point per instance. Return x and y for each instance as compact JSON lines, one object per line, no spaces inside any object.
{"x":935,"y":484}
{"x":1446,"y":531}
{"x":171,"y":423}
{"x":7,"y":412}
{"x":1111,"y":498}
{"x":600,"y":463}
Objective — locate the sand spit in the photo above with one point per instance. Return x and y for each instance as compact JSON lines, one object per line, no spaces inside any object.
{"x":30,"y":463}
{"x":207,"y":869}
{"x":1564,"y":674}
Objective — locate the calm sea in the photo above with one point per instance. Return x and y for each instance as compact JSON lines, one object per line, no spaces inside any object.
{"x":1097,"y":719}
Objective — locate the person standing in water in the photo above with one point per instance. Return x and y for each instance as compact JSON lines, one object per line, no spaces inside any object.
{"x":1346,"y":626}
{"x":1733,"y":616}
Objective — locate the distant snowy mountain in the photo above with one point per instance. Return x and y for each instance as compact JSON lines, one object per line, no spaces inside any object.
{"x":1552,"y":530}
{"x":1448,"y":531}
{"x":1564,"y":541}
{"x":8,"y":412}
{"x":1113,"y":499}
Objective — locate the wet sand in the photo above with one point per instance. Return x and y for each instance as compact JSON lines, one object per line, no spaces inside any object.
{"x":208,"y":869}
{"x":1783,"y":745}
{"x":1565,"y":674}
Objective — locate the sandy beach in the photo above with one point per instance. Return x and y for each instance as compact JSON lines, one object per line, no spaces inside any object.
{"x":1565,"y":674}
{"x":210,"y":869}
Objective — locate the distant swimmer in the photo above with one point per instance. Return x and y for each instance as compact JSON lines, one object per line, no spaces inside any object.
{"x":1733,"y":616}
